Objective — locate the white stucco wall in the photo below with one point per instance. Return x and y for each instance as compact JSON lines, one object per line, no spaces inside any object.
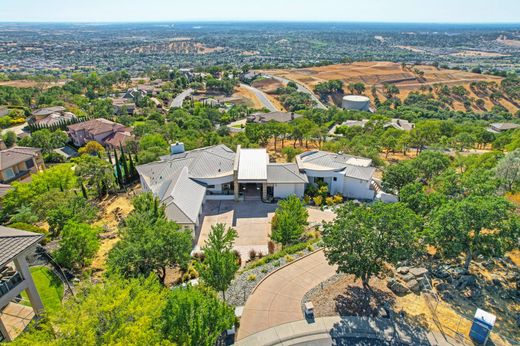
{"x":217,"y":182}
{"x":358,"y":189}
{"x":285,"y":190}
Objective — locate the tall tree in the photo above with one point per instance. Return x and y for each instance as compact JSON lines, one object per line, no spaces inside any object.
{"x":195,"y":316}
{"x":78,"y":245}
{"x":220,"y":262}
{"x":474,"y":225}
{"x":362,"y":238}
{"x":289,"y":221}
{"x":149,"y":243}
{"x":508,"y":170}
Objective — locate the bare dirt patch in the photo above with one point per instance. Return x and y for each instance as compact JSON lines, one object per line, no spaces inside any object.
{"x":114,"y":209}
{"x":250,"y":98}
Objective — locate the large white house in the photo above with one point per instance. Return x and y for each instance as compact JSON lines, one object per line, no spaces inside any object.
{"x":184,"y":180}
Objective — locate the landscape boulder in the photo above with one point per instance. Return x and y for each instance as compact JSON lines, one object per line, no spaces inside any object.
{"x":418,"y":272}
{"x":396,"y":287}
{"x":413,"y":286}
{"x":403,"y":270}
{"x":408,"y":277}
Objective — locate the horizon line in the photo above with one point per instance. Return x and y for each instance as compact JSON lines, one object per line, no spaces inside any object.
{"x":224,"y":21}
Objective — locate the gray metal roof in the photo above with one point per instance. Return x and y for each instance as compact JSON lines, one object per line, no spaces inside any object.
{"x":209,"y":162}
{"x":323,"y":160}
{"x":285,"y":173}
{"x":351,"y":166}
{"x":182,"y":197}
{"x":14,"y":241}
{"x":252,"y":164}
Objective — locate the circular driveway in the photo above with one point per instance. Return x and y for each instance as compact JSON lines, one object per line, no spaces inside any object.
{"x":277,"y":299}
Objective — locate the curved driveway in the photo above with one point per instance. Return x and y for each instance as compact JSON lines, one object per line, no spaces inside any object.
{"x":277,"y":299}
{"x":301,"y":88}
{"x":262,"y":97}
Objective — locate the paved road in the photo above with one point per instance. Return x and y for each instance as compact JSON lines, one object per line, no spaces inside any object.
{"x":277,"y":299}
{"x":262,"y":97}
{"x":302,"y":88}
{"x":179,"y":99}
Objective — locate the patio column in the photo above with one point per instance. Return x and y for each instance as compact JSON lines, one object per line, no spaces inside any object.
{"x":264,"y":191}
{"x":4,"y":332}
{"x":23,"y":268}
{"x":236,"y":187}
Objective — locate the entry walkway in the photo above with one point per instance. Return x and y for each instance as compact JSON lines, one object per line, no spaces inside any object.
{"x":277,"y":299}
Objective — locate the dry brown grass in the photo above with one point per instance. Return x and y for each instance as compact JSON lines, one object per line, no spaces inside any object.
{"x":113,"y":209}
{"x":252,"y":100}
{"x":378,"y":73}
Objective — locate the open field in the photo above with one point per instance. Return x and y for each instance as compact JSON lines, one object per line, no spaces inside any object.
{"x":378,"y":73}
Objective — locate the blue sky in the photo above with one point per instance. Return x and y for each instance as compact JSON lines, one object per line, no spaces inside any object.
{"x":442,"y":11}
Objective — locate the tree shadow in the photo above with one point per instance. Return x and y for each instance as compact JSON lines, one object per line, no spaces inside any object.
{"x":358,"y":301}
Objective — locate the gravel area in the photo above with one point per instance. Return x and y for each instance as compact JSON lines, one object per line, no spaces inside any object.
{"x":316,"y":291}
{"x":241,"y":286}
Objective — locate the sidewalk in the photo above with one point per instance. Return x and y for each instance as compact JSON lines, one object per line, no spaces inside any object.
{"x":345,"y":331}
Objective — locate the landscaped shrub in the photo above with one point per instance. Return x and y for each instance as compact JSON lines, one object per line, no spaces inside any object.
{"x":270,"y":247}
{"x":338,"y":199}
{"x":318,"y":200}
{"x":31,"y":228}
{"x":252,"y":254}
{"x":251,"y":277}
{"x":307,"y":199}
{"x":277,"y":255}
{"x":238,"y":257}
{"x":289,"y":258}
{"x":329,"y":201}
{"x":276,"y":263}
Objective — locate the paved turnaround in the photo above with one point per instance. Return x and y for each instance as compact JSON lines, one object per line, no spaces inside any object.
{"x":277,"y":299}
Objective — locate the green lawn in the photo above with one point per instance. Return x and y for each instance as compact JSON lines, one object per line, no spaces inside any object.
{"x":49,"y":287}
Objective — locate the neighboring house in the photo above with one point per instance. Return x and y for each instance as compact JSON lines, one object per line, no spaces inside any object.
{"x":502,"y":127}
{"x":17,"y":163}
{"x":183,"y":181}
{"x":51,"y":116}
{"x":400,"y":124}
{"x":15,"y":278}
{"x":123,"y":106}
{"x":281,"y":117}
{"x":105,"y":132}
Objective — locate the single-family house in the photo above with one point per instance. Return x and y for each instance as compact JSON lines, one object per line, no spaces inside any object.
{"x":123,"y":106}
{"x":184,"y":180}
{"x":105,"y":132}
{"x":51,"y":116}
{"x":400,"y":124}
{"x":15,"y":278}
{"x":502,"y":127}
{"x":18,"y":163}
{"x":280,"y":117}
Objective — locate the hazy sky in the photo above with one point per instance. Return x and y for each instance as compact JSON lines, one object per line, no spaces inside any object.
{"x":444,"y":11}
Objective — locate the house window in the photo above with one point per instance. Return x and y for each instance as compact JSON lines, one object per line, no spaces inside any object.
{"x":8,"y":173}
{"x":210,"y":186}
{"x":335,"y":179}
{"x":29,"y":164}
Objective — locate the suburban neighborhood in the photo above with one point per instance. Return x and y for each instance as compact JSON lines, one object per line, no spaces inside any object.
{"x":265,"y":174}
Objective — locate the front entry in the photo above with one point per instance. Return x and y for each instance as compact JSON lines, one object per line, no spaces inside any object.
{"x":251,"y":191}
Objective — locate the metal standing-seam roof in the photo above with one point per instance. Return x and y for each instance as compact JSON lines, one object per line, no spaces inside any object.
{"x":14,"y":241}
{"x":182,"y":197}
{"x":252,"y":164}
{"x":285,"y":173}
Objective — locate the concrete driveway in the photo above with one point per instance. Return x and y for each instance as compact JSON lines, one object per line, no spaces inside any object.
{"x":251,"y":219}
{"x":277,"y":299}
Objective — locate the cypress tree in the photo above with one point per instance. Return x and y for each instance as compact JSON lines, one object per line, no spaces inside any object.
{"x":133,"y":171}
{"x":109,"y":157}
{"x":119,"y":175}
{"x":124,"y":163}
{"x":84,"y":190}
